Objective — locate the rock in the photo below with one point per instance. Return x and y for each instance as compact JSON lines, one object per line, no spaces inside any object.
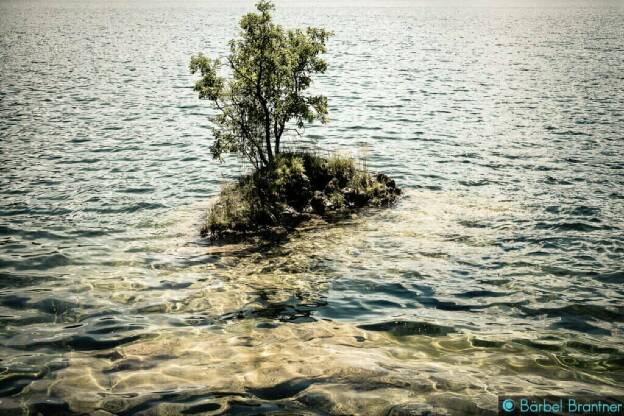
{"x":299,"y":188}
{"x":332,"y":186}
{"x":264,"y":217}
{"x":319,"y":202}
{"x":415,"y":409}
{"x":390,"y":183}
{"x":290,"y":216}
{"x":359,"y":198}
{"x":383,"y":178}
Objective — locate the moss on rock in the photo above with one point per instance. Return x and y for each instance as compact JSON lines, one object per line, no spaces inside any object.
{"x":298,"y":187}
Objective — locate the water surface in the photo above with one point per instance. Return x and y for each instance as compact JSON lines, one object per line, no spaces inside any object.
{"x":499,"y":271}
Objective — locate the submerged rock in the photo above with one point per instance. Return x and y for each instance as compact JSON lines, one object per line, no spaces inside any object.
{"x":299,"y":186}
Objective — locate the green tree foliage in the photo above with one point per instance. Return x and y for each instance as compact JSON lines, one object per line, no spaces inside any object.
{"x":270,"y":70}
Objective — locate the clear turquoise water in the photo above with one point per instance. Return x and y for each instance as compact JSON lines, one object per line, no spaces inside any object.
{"x":499,"y":271}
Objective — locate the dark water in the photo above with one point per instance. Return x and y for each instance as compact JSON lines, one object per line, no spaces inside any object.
{"x":500,"y":271}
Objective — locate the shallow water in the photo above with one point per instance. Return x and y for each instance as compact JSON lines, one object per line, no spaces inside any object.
{"x":499,"y":271}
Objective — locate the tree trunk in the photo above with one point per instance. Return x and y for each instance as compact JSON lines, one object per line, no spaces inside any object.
{"x":268,"y":141}
{"x":277,"y":144}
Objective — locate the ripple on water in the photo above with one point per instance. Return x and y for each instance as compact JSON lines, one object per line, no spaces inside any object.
{"x":500,"y":270}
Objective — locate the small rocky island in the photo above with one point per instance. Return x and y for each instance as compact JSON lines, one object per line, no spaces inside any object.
{"x":299,"y":187}
{"x":263,"y":102}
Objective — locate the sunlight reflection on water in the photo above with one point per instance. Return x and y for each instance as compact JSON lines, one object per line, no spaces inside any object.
{"x":500,"y":270}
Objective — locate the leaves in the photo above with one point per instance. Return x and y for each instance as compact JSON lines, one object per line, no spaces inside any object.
{"x":210,"y":86}
{"x":271,"y":69}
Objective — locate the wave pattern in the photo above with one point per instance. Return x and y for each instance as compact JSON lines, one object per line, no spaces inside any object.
{"x":499,"y":271}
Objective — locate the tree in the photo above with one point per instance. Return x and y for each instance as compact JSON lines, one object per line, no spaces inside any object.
{"x":271,"y":69}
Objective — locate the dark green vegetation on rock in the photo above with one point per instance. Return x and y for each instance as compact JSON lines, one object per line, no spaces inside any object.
{"x":298,"y":187}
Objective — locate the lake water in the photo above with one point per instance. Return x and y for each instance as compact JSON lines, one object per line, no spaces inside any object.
{"x":500,"y":270}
